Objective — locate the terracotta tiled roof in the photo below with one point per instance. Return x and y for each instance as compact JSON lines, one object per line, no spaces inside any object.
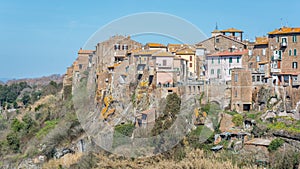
{"x":231,"y":30}
{"x":284,"y":30}
{"x":163,"y":54}
{"x":179,"y":58}
{"x":187,"y":51}
{"x":216,"y":31}
{"x":145,"y":52}
{"x":175,"y":47}
{"x":155,"y":45}
{"x":227,"y":53}
{"x":81,"y":51}
{"x":261,"y":41}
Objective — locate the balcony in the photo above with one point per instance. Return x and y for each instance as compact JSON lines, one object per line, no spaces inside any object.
{"x":295,"y":83}
{"x":276,"y":57}
{"x":283,"y":44}
{"x":295,"y":80}
{"x":275,"y":70}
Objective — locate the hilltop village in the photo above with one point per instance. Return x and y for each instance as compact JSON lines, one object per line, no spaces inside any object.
{"x":227,"y":69}
{"x":251,"y":81}
{"x":224,"y":102}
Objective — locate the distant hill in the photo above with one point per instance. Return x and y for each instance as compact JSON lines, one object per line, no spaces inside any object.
{"x":4,"y":80}
{"x":37,"y":81}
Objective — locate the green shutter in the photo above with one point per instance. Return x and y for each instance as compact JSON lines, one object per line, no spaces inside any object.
{"x":294,"y":38}
{"x":290,"y":52}
{"x":230,"y":60}
{"x":238,"y":59}
{"x":295,"y":52}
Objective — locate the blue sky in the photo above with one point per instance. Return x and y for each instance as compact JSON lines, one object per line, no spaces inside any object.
{"x":42,"y":37}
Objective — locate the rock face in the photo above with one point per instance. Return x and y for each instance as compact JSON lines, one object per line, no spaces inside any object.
{"x":285,"y":134}
{"x":226,"y":122}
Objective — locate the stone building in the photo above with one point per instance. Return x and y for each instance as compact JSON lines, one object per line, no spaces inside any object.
{"x":114,"y":50}
{"x":241,"y":90}
{"x":224,"y":40}
{"x":284,"y":51}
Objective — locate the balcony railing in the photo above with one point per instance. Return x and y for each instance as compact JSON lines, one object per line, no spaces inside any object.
{"x":283,"y":44}
{"x":276,"y":57}
{"x":296,"y":83}
{"x":275,"y":70}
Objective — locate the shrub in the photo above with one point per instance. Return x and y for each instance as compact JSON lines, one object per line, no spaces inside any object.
{"x":49,"y":125}
{"x":16,"y":125}
{"x":238,"y":120}
{"x":13,"y":141}
{"x":122,"y":133}
{"x":275,"y":144}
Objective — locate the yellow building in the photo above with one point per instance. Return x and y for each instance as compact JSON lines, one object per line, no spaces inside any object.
{"x":188,"y":53}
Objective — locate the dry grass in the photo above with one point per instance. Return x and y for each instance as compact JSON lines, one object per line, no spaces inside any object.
{"x":194,"y":159}
{"x":66,"y":161}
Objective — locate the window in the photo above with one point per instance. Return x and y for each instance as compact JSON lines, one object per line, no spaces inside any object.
{"x":294,"y":38}
{"x":80,"y":66}
{"x":191,"y":58}
{"x":238,"y":60}
{"x":236,"y":77}
{"x":253,"y":78}
{"x":277,"y":39}
{"x":229,"y":71}
{"x":283,"y":40}
{"x":258,"y":78}
{"x":218,"y":71}
{"x":212,"y":60}
{"x":279,"y":53}
{"x":217,"y":40}
{"x":235,"y":93}
{"x":219,"y":60}
{"x":164,"y":62}
{"x":191,"y":64}
{"x":295,"y":52}
{"x":290,"y":52}
{"x":264,"y":52}
{"x":257,"y":59}
{"x":230,"y":60}
{"x":212,"y":71}
{"x":295,"y":65}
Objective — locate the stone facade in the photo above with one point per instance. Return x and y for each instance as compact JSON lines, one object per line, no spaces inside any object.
{"x":241,"y":90}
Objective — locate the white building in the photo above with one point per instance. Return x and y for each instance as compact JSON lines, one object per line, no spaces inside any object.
{"x":219,"y":65}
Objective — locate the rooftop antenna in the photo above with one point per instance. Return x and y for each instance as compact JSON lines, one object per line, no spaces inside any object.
{"x":281,"y":23}
{"x":287,"y":23}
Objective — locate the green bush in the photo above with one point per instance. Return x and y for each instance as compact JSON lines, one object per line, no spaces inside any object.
{"x":49,"y":125}
{"x":13,"y":141}
{"x":275,"y":144}
{"x":16,"y":125}
{"x":238,"y":120}
{"x":122,"y":134}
